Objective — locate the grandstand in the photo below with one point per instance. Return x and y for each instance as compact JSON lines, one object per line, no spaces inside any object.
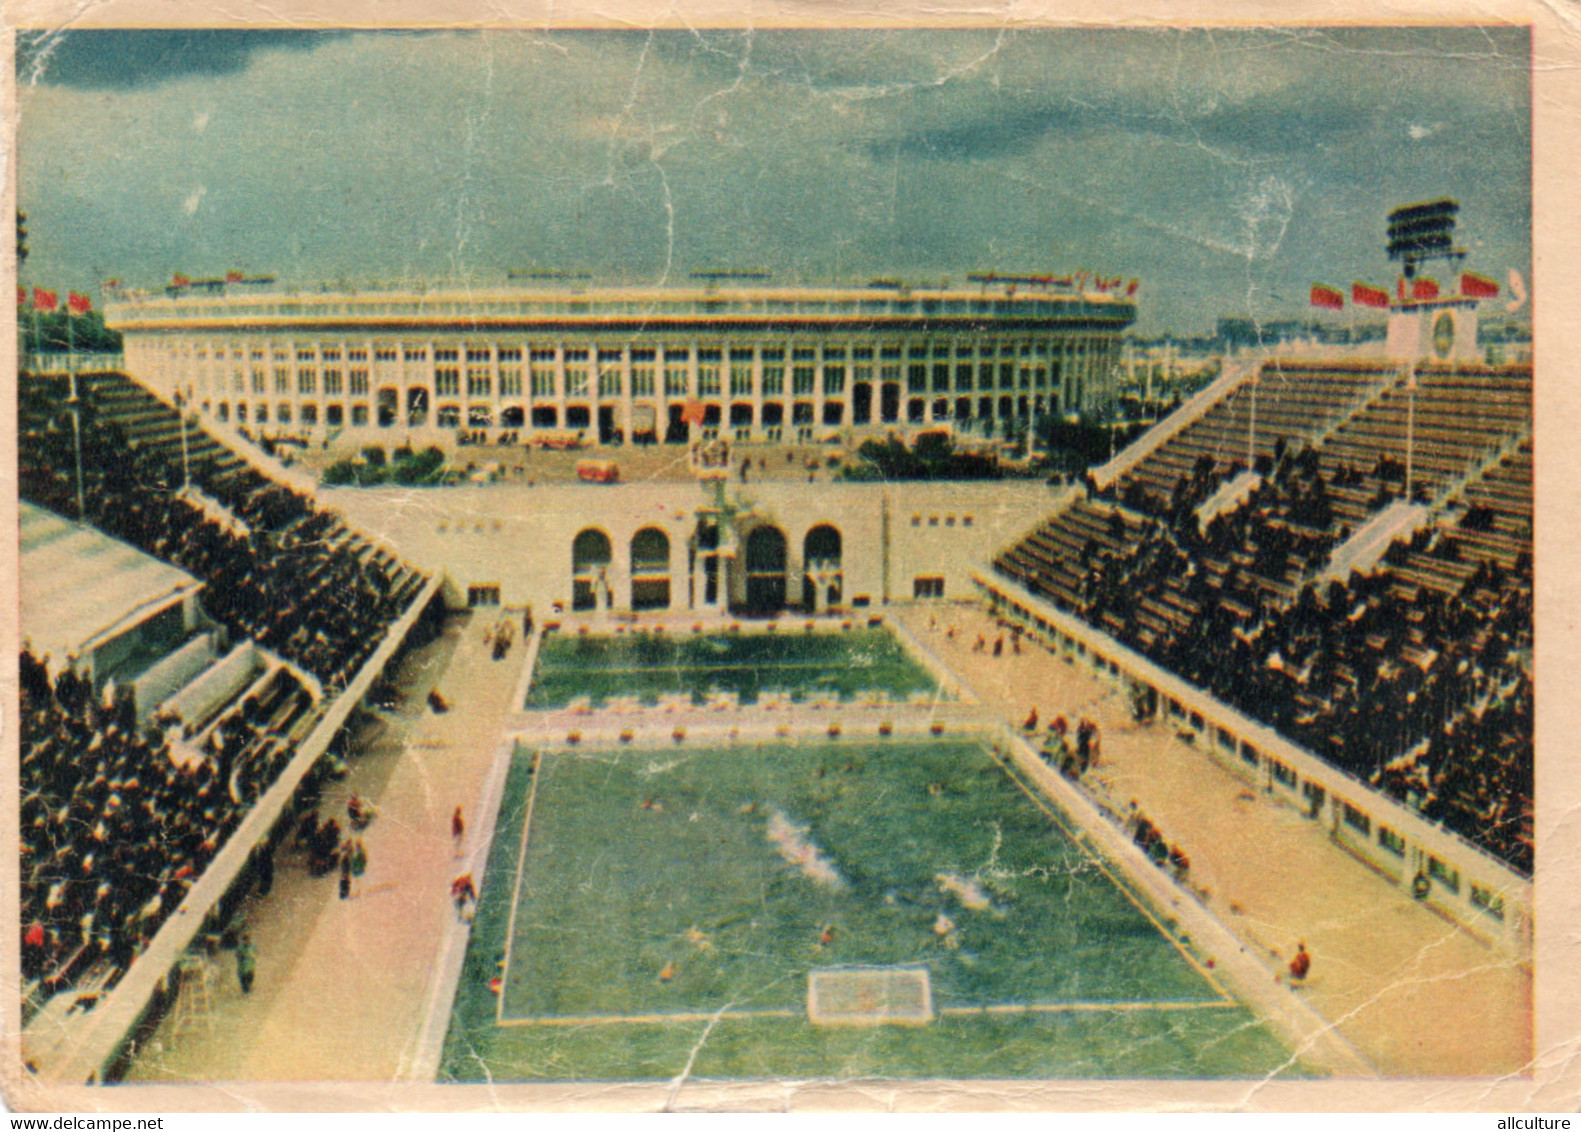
{"x":1383,"y":670}
{"x":163,"y":762}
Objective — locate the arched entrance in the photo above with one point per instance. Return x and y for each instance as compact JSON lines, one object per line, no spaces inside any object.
{"x":650,"y":569}
{"x":822,"y":580}
{"x":765,"y":565}
{"x":590,"y":558}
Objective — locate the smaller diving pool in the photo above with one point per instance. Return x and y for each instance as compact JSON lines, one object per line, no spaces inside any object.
{"x":798,"y":666}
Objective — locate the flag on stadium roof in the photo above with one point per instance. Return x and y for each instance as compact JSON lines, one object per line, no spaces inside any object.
{"x":1327,"y":297}
{"x":1130,"y":289}
{"x":45,"y":300}
{"x":233,"y":277}
{"x":179,"y":280}
{"x":1475,"y":286}
{"x":1424,"y":289}
{"x":78,"y":304}
{"x":1365,"y":295}
{"x":21,"y":295}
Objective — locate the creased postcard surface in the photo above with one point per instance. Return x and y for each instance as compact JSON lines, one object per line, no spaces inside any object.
{"x":605,"y":560}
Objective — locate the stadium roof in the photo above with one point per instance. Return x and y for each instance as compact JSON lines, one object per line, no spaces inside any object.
{"x":81,"y":588}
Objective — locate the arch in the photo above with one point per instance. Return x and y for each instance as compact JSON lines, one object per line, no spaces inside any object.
{"x":822,"y":577}
{"x":765,"y":570}
{"x":650,"y":569}
{"x":822,"y":544}
{"x":590,"y":559}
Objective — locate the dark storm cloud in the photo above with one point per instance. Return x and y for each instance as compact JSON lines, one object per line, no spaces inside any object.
{"x":1001,"y":133}
{"x":124,"y":60}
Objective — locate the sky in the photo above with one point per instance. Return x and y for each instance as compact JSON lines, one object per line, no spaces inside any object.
{"x":1227,"y":169}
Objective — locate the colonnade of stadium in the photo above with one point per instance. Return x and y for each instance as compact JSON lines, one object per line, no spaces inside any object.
{"x":622,"y":364}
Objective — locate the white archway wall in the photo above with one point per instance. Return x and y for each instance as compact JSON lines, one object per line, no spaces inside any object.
{"x":519,"y":538}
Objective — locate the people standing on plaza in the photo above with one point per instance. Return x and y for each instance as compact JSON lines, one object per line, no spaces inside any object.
{"x":1300,"y":965}
{"x":464,"y":894}
{"x":458,"y":829}
{"x":345,"y":875}
{"x":246,"y":963}
{"x":359,"y":861}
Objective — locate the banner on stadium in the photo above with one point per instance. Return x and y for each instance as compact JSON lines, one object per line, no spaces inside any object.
{"x":1475,"y":286}
{"x":1365,"y":295}
{"x":1327,"y":297}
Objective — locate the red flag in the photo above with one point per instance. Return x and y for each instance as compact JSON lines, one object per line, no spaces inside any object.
{"x":1130,"y":289}
{"x":1365,"y":296}
{"x":233,"y":277}
{"x":692,"y":413}
{"x":179,"y":280}
{"x":1327,"y":297}
{"x":1475,"y":286}
{"x":78,"y":304}
{"x":44,"y":300}
{"x":1424,"y":289}
{"x":1399,"y":287}
{"x":21,"y":296}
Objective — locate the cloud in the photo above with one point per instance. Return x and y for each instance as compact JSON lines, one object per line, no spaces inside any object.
{"x":124,"y":60}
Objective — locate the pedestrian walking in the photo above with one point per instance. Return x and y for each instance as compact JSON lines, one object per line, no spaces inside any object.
{"x":359,"y":861}
{"x":345,"y":875}
{"x":464,"y":894}
{"x":246,"y":964}
{"x":458,"y":829}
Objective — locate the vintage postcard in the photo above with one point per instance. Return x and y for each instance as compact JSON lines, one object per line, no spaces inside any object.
{"x":773,"y":559}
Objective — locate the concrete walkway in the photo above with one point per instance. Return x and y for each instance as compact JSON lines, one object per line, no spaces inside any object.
{"x":1415,"y":994}
{"x":342,"y":984}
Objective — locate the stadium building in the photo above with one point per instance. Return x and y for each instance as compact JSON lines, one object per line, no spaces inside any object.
{"x":629,"y":363}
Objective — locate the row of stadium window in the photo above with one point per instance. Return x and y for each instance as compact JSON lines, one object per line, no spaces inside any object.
{"x":575,"y":381}
{"x":744,"y":415}
{"x":422,"y":352}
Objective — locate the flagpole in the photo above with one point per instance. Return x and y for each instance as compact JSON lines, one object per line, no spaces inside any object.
{"x":1251,"y":431}
{"x":1410,"y":423}
{"x":76,"y":442}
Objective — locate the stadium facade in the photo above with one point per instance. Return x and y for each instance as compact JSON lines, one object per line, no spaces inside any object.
{"x":748,"y":363}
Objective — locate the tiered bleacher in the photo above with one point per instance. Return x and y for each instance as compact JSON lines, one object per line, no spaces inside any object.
{"x":1413,"y":674}
{"x":119,"y":820}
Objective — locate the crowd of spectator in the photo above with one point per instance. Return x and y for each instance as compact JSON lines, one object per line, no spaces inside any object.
{"x":117,"y":823}
{"x":1357,"y":672}
{"x":289,"y":576}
